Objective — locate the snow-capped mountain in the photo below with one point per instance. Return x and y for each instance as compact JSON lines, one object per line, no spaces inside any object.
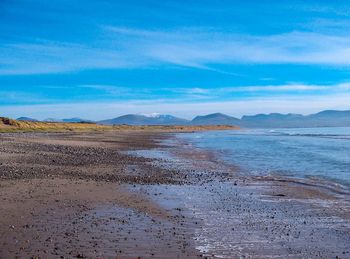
{"x":146,"y":119}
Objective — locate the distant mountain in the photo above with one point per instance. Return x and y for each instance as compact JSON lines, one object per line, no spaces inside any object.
{"x":272,"y":120}
{"x":52,"y":120}
{"x":155,"y":119}
{"x":215,"y":119}
{"x":69,"y":120}
{"x":26,"y":119}
{"x":327,"y":118}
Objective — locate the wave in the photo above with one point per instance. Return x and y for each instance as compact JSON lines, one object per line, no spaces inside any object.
{"x":293,"y":134}
{"x":321,"y":135}
{"x":311,"y":181}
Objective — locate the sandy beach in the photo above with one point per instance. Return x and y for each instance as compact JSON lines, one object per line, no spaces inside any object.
{"x":150,"y":195}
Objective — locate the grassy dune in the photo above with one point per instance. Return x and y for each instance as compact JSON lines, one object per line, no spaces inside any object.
{"x":10,"y":125}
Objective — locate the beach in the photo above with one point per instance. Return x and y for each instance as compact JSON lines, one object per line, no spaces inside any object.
{"x":130,"y":194}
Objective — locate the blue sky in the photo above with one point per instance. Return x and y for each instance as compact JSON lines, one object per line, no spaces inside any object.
{"x":100,"y":59}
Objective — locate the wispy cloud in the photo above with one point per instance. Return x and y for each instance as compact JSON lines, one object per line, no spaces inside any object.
{"x":108,"y":93}
{"x":192,"y":58}
{"x":201,"y":48}
{"x":258,"y":90}
{"x":103,"y":110}
{"x":108,"y":89}
{"x":12,"y":97}
{"x":42,"y":56}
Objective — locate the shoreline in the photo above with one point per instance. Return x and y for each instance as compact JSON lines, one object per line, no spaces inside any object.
{"x":324,"y":184}
{"x":313,"y":198}
{"x":60,"y":191}
{"x":96,"y":195}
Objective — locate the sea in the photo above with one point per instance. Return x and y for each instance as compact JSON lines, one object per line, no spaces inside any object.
{"x":321,"y":153}
{"x":245,"y":221}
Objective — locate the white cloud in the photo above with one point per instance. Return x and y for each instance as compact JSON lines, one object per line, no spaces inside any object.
{"x":258,"y":89}
{"x":202,"y":47}
{"x":20,"y":96}
{"x":195,"y":47}
{"x":41,"y":56}
{"x":97,"y":111}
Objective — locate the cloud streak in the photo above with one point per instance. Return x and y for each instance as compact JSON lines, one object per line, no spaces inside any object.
{"x":104,"y":110}
{"x":290,"y":48}
{"x":42,"y":56}
{"x":258,"y":90}
{"x":200,"y":48}
{"x":108,"y":93}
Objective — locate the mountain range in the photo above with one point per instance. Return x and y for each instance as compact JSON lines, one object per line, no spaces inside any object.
{"x":69,"y":120}
{"x":26,"y":119}
{"x":215,"y":119}
{"x":157,"y":119}
{"x":328,"y":118}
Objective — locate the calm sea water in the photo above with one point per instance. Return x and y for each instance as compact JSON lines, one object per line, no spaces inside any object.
{"x":302,"y":153}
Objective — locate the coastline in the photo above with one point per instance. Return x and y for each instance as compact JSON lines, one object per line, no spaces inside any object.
{"x":301,"y":217}
{"x":97,"y":195}
{"x":69,"y":195}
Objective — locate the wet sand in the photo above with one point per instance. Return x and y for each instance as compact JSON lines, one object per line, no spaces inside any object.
{"x":131,"y":194}
{"x":70,"y":195}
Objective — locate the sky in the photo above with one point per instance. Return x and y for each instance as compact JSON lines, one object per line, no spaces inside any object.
{"x":99,"y":59}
